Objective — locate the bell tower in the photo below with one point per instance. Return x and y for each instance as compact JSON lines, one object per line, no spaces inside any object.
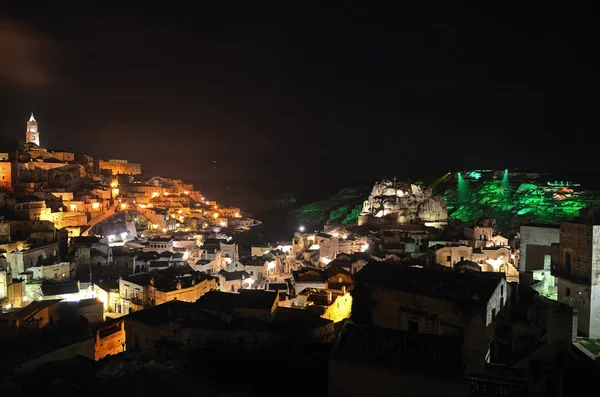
{"x":32,"y":135}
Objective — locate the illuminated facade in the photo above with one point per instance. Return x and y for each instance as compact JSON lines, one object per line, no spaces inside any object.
{"x":32,"y":135}
{"x":5,"y":175}
{"x":399,"y":203}
{"x":120,"y":167}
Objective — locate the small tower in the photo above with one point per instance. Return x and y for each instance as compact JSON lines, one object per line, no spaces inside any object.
{"x":33,"y":135}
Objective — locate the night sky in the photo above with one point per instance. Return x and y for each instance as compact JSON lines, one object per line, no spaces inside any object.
{"x":276,"y":92}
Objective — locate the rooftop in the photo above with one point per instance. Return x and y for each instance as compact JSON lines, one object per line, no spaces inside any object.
{"x":468,"y":286}
{"x":237,"y":275}
{"x":61,"y":288}
{"x":245,"y":299}
{"x":33,"y":308}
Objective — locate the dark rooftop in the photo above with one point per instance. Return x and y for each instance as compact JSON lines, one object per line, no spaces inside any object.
{"x":161,"y":314}
{"x":33,"y":308}
{"x":245,"y":299}
{"x":468,"y":286}
{"x":49,"y":289}
{"x":237,"y":275}
{"x":162,"y":239}
{"x":399,"y":349}
{"x":298,"y":318}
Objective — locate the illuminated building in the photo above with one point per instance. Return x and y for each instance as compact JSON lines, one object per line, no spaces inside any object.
{"x":32,"y":135}
{"x":119,"y":167}
{"x":399,"y":203}
{"x":5,"y":176}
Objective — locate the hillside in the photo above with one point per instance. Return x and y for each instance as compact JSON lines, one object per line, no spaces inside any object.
{"x":343,"y":208}
{"x":513,"y":198}
{"x":516,"y":198}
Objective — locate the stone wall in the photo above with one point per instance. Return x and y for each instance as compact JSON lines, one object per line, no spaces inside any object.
{"x":576,"y":241}
{"x":395,"y":309}
{"x":406,"y":203}
{"x":535,"y":242}
{"x":110,"y":340}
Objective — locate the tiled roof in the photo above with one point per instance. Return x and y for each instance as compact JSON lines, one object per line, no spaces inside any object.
{"x":496,"y":386}
{"x":399,"y":349}
{"x":469,"y":286}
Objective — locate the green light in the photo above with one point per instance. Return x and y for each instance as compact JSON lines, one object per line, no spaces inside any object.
{"x":474,"y":174}
{"x":531,"y":201}
{"x":463,"y":189}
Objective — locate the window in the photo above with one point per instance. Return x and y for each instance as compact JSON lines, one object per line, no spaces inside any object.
{"x":340,"y":280}
{"x":568,"y":292}
{"x":413,"y":326}
{"x":493,"y":314}
{"x":462,"y":258}
{"x":448,"y":258}
{"x":502,"y":290}
{"x":568,"y":260}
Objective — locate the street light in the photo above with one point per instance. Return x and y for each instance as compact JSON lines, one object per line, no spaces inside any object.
{"x":301,"y":228}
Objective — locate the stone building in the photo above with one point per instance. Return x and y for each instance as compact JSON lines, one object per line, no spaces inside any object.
{"x":399,"y":203}
{"x":32,"y":136}
{"x":110,"y":339}
{"x":576,"y":265}
{"x":490,"y":259}
{"x":119,"y":167}
{"x":432,"y":302}
{"x":31,"y":255}
{"x":535,"y":246}
{"x":142,"y":290}
{"x":6,"y":176}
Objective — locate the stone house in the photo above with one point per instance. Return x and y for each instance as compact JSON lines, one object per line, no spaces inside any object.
{"x":110,"y":339}
{"x":57,"y":271}
{"x":576,"y":265}
{"x":160,"y":244}
{"x":432,"y":302}
{"x":160,"y":286}
{"x":329,"y":304}
{"x":234,"y":281}
{"x":90,"y":251}
{"x":21,"y":260}
{"x":333,"y":277}
{"x":255,"y":266}
{"x":229,"y":250}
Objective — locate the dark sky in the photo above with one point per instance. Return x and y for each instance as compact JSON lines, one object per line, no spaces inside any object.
{"x":283,"y":92}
